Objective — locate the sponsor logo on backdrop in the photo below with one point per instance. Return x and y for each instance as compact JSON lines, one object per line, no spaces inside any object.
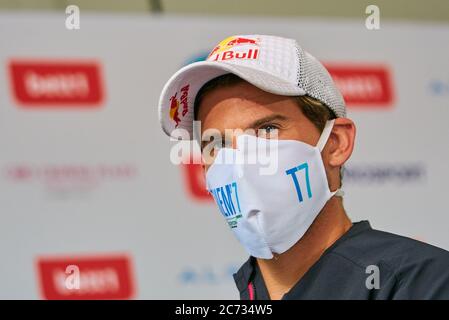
{"x":439,"y":87}
{"x":235,"y":48}
{"x":86,"y":277}
{"x":69,"y":179}
{"x":202,"y":56}
{"x":179,"y":105}
{"x":37,"y":84}
{"x":207,"y":275}
{"x":380,"y":174}
{"x":363,"y":85}
{"x":195,"y":182}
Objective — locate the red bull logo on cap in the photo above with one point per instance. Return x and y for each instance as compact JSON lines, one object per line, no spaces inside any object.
{"x":176,"y":104}
{"x":235,"y":48}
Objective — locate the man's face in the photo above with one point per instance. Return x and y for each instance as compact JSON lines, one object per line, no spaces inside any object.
{"x":244,"y":106}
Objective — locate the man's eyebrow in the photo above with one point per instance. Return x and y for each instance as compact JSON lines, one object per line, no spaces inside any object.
{"x":267,"y":119}
{"x":255,"y":124}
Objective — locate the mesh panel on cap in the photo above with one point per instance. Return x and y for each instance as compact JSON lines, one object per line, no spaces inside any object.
{"x":318,"y":84}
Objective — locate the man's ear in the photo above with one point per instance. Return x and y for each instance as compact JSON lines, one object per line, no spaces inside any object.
{"x":343,"y":137}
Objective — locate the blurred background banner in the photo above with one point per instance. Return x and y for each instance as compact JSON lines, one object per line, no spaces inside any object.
{"x":86,"y":184}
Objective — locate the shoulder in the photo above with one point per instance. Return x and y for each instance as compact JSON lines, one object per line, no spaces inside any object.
{"x":414,"y":266}
{"x":373,"y":245}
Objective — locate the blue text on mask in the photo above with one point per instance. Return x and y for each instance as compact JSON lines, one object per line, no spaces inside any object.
{"x":292,"y":172}
{"x":227,"y":199}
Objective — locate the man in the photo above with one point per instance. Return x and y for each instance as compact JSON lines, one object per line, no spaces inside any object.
{"x":291,"y":220}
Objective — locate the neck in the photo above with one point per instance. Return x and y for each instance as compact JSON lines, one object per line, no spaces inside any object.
{"x":285,"y":270}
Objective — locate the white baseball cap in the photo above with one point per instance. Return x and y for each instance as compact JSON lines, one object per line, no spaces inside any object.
{"x":273,"y":64}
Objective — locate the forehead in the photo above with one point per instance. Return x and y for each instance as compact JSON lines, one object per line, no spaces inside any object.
{"x":236,"y":106}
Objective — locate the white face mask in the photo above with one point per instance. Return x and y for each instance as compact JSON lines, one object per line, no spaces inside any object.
{"x":270,"y":213}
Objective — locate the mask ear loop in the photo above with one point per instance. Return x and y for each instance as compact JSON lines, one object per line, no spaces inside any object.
{"x":322,"y":142}
{"x":325,"y":134}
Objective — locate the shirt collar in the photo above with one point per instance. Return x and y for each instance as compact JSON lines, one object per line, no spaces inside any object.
{"x":244,"y":275}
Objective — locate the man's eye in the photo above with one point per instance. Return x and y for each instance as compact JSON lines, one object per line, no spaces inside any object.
{"x":268,"y":128}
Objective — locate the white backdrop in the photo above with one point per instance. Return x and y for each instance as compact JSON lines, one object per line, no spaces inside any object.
{"x":87,"y":181}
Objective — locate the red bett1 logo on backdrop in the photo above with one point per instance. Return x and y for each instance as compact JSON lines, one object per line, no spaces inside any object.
{"x":37,"y":84}
{"x":196,"y":182}
{"x":86,"y":277}
{"x":364,"y":85}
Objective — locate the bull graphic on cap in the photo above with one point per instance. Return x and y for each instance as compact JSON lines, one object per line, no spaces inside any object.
{"x":175,"y":104}
{"x":232,"y":41}
{"x":174,"y":107}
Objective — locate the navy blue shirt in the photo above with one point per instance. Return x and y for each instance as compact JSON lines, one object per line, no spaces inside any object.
{"x":407,"y":269}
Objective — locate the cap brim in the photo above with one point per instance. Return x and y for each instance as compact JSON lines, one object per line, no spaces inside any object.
{"x":197,"y":74}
